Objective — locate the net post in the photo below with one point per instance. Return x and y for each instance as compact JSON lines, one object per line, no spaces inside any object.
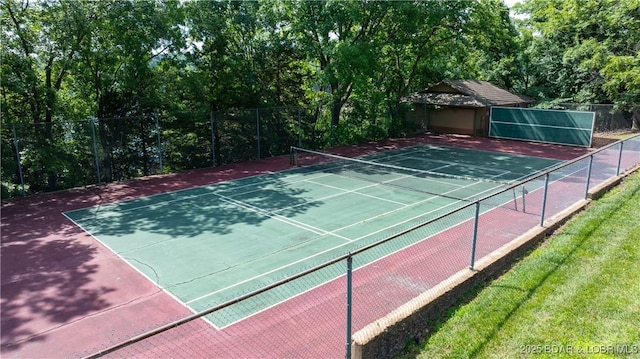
{"x":15,"y":141}
{"x":349,"y":304}
{"x":291,"y":157}
{"x":524,"y":202}
{"x":619,"y":158}
{"x":544,"y":199}
{"x":95,"y":147}
{"x":475,"y":235}
{"x":586,"y":190}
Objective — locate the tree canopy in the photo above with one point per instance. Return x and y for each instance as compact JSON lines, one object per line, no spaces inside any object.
{"x":73,"y":60}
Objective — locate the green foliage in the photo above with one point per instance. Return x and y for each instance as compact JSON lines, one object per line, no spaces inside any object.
{"x":347,"y":64}
{"x":574,"y":42}
{"x":622,"y":78}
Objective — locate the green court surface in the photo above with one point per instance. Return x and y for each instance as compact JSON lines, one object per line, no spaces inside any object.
{"x":207,"y":245}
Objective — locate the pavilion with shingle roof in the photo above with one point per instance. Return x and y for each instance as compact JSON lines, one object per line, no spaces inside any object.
{"x":460,"y":106}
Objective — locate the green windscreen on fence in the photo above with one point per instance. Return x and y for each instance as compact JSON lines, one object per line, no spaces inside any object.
{"x":574,"y":128}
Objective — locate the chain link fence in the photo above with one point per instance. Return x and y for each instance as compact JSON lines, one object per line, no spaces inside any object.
{"x":316,"y":312}
{"x":608,"y":117}
{"x":65,"y":154}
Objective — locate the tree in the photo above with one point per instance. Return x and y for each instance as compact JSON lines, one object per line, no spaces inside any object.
{"x":42,"y":40}
{"x":424,"y":42}
{"x":340,"y":40}
{"x":117,"y":70}
{"x":494,"y":44}
{"x":622,"y":83}
{"x":574,"y":42}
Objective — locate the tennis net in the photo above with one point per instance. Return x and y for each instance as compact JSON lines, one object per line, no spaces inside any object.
{"x":452,"y":186}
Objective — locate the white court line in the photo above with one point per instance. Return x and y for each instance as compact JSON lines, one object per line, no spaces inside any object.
{"x":278,"y":217}
{"x":446,"y":162}
{"x":267,"y":186}
{"x":399,"y":209}
{"x":304,"y":259}
{"x":130,"y":264}
{"x":402,"y":156}
{"x":414,"y":217}
{"x":214,"y":186}
{"x":326,"y":250}
{"x":426,"y":179}
{"x":344,"y":191}
{"x":466,"y":199}
{"x":266,"y":273}
{"x":95,"y":213}
{"x":364,"y":265}
{"x":161,"y":203}
{"x":356,"y":191}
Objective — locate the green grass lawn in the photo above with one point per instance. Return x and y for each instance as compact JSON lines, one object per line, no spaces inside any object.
{"x":576,"y":295}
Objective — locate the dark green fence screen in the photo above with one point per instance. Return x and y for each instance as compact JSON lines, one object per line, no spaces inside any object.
{"x":574,"y":128}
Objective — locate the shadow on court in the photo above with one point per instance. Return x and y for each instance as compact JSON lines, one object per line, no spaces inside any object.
{"x":181,"y":215}
{"x":44,"y":279}
{"x":62,"y":292}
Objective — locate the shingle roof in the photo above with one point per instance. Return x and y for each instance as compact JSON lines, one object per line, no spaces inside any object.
{"x":444,"y":99}
{"x":466,"y":93}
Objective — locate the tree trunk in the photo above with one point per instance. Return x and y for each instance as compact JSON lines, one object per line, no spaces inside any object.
{"x":336,"y":108}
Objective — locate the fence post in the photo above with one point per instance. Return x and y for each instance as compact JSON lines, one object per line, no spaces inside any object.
{"x":258,"y":129}
{"x":349,"y":304}
{"x":619,"y":159}
{"x":213,"y":139}
{"x":299,"y":128}
{"x":544,"y":199}
{"x":15,"y":141}
{"x":475,"y":235}
{"x":426,"y":124}
{"x":586,"y":191}
{"x":95,"y":148}
{"x":159,"y":144}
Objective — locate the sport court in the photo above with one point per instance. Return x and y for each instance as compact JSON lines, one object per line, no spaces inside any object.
{"x":207,"y":245}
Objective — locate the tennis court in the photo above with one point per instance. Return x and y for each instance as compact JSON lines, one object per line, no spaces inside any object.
{"x":206,"y":245}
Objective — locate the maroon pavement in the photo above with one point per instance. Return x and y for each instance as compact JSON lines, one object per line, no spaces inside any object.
{"x":65,"y":295}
